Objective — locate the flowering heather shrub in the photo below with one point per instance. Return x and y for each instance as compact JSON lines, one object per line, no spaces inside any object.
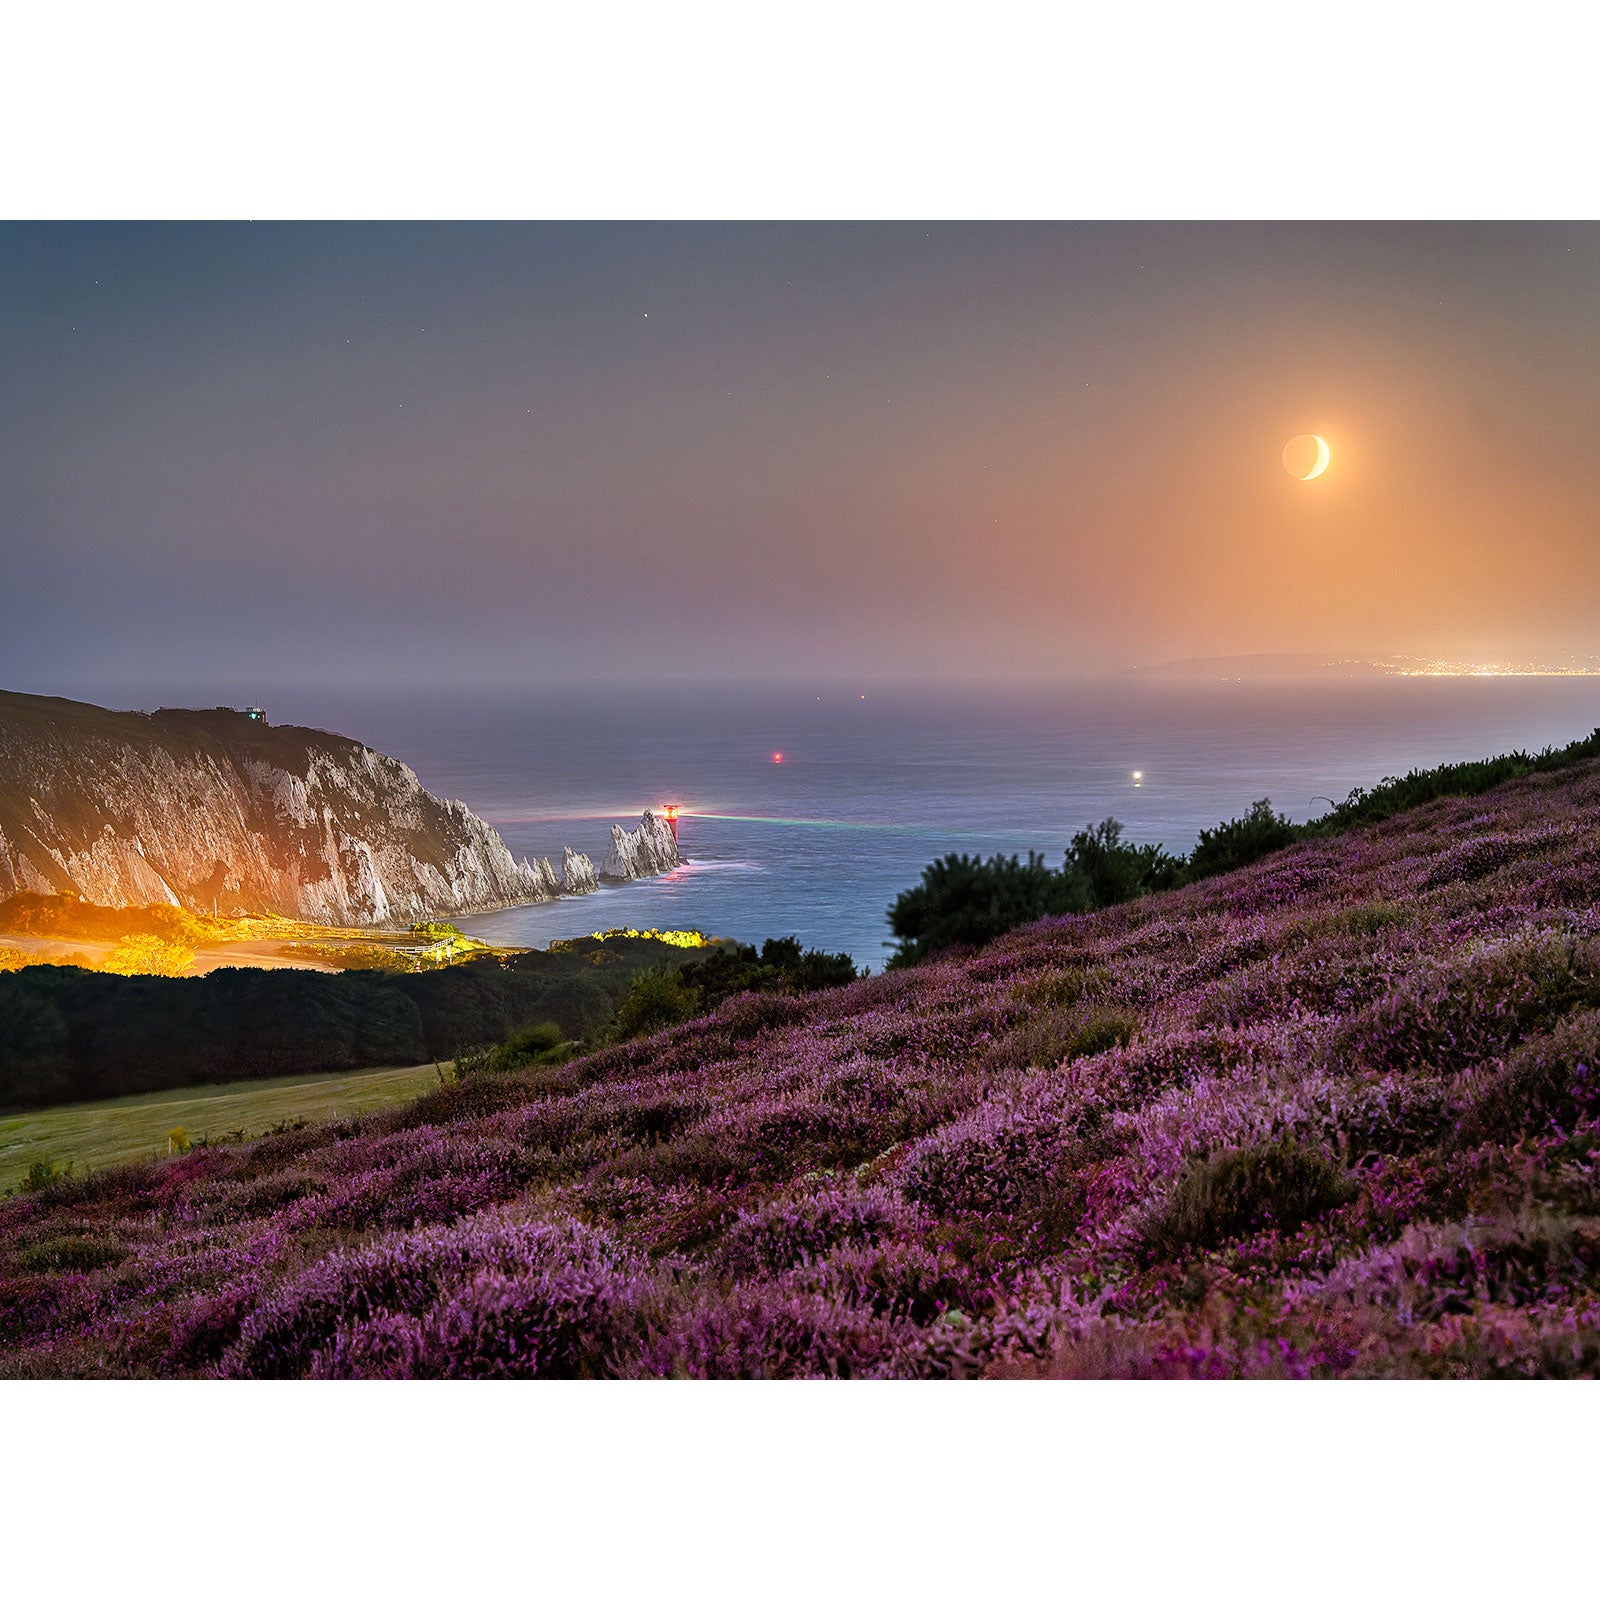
{"x":1461,"y":1008}
{"x":993,"y":1161}
{"x":486,"y":1295}
{"x":260,"y":1197}
{"x":1569,"y":884}
{"x":1398,"y":1115}
{"x":1551,"y":1081}
{"x":930,"y":1284}
{"x":71,"y":1253}
{"x":789,"y":1233}
{"x":1432,"y":1271}
{"x":1337,"y":1113}
{"x":756,"y":1334}
{"x":572,"y":1318}
{"x":746,"y":1015}
{"x":208,"y":1326}
{"x":1125,"y":1079}
{"x":1476,"y":858}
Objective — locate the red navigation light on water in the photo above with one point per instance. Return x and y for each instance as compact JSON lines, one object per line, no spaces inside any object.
{"x":777,"y":755}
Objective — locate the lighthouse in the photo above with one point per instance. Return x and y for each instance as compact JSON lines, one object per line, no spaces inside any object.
{"x":671,"y":814}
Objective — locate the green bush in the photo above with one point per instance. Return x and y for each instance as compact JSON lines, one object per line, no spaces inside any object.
{"x":1057,"y":1036}
{"x":469,"y":1063}
{"x":1112,"y":872}
{"x":1099,"y":1028}
{"x":537,"y":1040}
{"x":1241,"y":1192}
{"x":780,"y":966}
{"x":74,"y":1253}
{"x":1422,"y":785}
{"x":42,"y":1175}
{"x":963,"y":900}
{"x":1245,"y":839}
{"x":658,"y":998}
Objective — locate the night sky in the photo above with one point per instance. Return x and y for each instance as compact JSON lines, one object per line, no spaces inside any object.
{"x":530,"y":453}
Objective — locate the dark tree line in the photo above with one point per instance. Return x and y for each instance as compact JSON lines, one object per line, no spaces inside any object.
{"x":67,"y":1033}
{"x":667,"y":995}
{"x":71,"y":1034}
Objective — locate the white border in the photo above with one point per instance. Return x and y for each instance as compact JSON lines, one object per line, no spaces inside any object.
{"x":329,"y":108}
{"x":795,"y":1489}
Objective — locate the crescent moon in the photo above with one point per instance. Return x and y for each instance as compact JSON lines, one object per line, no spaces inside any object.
{"x":1294,"y":453}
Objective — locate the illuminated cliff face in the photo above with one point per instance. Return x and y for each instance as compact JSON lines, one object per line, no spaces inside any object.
{"x":215,"y":813}
{"x":647,"y":850}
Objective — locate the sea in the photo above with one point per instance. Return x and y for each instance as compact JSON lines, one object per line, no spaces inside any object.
{"x":804,"y":812}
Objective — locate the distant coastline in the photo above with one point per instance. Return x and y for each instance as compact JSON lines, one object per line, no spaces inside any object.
{"x":1290,"y":666}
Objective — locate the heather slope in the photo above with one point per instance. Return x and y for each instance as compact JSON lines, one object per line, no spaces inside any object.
{"x":1331,"y":1114}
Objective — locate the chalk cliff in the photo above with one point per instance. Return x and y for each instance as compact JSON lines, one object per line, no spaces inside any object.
{"x":577,"y":874}
{"x":211,"y":811}
{"x":649,"y":849}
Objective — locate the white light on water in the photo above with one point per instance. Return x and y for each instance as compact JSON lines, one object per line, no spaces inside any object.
{"x":1138,"y":778}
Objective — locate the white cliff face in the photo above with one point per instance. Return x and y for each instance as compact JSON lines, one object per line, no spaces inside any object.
{"x":577,"y":874}
{"x":205,"y":810}
{"x":648,"y":850}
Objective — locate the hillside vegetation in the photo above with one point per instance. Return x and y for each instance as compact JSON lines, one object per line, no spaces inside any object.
{"x":968,"y":900}
{"x":70,"y":1034}
{"x":1332,"y":1114}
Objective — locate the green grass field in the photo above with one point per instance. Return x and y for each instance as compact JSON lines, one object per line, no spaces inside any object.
{"x":104,"y":1133}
